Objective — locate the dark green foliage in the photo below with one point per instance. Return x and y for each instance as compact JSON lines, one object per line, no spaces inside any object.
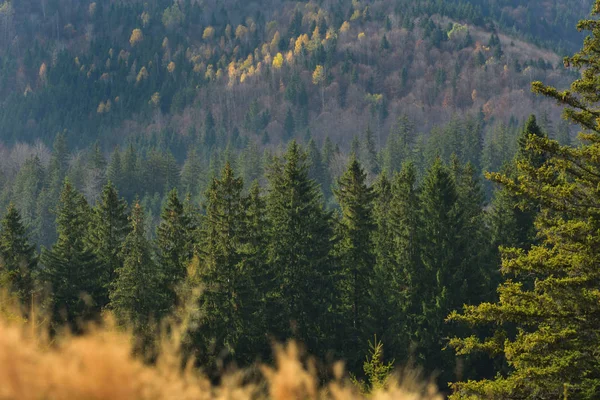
{"x":18,"y":261}
{"x":298,"y":254}
{"x":355,"y":252}
{"x":174,"y":241}
{"x":137,"y":298}
{"x":107,"y":231}
{"x":70,"y":267}
{"x":229,"y":301}
{"x":543,"y":324}
{"x":441,"y":282}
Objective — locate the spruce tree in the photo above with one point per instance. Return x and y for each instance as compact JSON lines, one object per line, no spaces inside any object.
{"x":191,"y":173}
{"x":317,"y":170}
{"x":369,"y":152}
{"x":174,"y":242}
{"x":440,"y":284}
{"x":131,"y":174}
{"x":108,"y":228}
{"x":384,"y":304}
{"x":228,"y":298}
{"x":70,"y":267}
{"x":136,"y":296}
{"x":404,"y":266}
{"x":355,"y":252}
{"x":18,"y":261}
{"x":550,"y":291}
{"x":114,"y":171}
{"x":298,"y":253}
{"x":512,"y":218}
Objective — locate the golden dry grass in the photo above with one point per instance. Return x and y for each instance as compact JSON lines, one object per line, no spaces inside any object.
{"x":100,"y":365}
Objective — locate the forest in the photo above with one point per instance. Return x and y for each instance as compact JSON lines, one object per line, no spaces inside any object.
{"x":386,"y":183}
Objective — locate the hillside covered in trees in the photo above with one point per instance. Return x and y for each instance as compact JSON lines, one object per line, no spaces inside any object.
{"x":371,"y":179}
{"x":211,"y":73}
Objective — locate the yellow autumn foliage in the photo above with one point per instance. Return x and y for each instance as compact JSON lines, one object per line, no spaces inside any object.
{"x":278,"y":61}
{"x":209,"y":33}
{"x":136,"y":37}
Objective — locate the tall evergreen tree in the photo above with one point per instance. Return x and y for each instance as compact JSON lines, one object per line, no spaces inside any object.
{"x":191,"y":173}
{"x":317,"y":170}
{"x":355,"y":251}
{"x":441,"y":282}
{"x":550,"y":293}
{"x":298,"y":253}
{"x":512,"y":217}
{"x":18,"y":261}
{"x":136,"y":297}
{"x":369,"y":152}
{"x":174,"y":240}
{"x":404,"y":266}
{"x":228,"y":299}
{"x":114,"y":171}
{"x":70,"y":267}
{"x":108,"y":228}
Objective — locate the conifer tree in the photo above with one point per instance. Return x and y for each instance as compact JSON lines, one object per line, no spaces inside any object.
{"x":70,"y":267}
{"x":26,"y":188}
{"x":550,"y":293}
{"x":404,"y":267}
{"x":130,"y":176}
{"x":114,"y":171}
{"x":18,"y":261}
{"x":317,"y":170}
{"x":136,"y":298}
{"x":298,"y":253}
{"x":191,"y":173}
{"x":440,"y":284}
{"x":369,"y":152}
{"x":356,"y":253}
{"x":385,"y":266}
{"x":228,"y":297}
{"x":175,"y":244}
{"x":512,"y":218}
{"x":108,"y":228}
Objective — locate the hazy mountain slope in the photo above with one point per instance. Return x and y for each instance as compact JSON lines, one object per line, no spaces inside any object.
{"x":154,"y":70}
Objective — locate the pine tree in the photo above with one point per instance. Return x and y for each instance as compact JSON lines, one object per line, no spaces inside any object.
{"x":136,"y":297}
{"x":70,"y":267}
{"x":550,"y":293}
{"x":356,"y":253}
{"x":108,"y":228}
{"x":175,"y":245}
{"x":18,"y":261}
{"x":298,"y":253}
